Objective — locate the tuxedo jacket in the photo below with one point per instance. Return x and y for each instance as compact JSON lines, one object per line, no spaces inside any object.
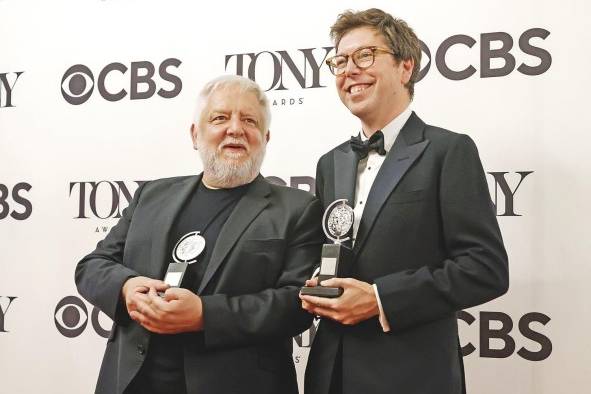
{"x":264,"y":253}
{"x":429,"y":239}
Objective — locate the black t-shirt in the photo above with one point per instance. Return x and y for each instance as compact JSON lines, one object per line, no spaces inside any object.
{"x":206,"y":211}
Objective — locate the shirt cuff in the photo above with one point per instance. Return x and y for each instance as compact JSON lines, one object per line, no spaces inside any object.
{"x":383,"y":320}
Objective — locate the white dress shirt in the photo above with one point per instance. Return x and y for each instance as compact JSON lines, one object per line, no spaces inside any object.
{"x":367,"y":170}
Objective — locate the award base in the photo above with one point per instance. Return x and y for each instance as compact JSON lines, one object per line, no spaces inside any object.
{"x":336,"y":262}
{"x":322,"y":291}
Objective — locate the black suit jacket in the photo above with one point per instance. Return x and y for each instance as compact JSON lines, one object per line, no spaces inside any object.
{"x":264,"y":253}
{"x":429,"y":240}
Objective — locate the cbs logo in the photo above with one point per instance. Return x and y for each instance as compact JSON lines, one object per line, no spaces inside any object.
{"x":78,"y":82}
{"x":71,"y":318}
{"x":497,"y":47}
{"x":497,"y":328}
{"x":25,"y":209}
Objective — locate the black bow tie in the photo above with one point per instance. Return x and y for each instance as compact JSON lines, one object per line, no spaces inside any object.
{"x":375,"y":142}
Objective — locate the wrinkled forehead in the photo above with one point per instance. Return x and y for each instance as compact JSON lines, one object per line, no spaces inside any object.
{"x":233,"y":99}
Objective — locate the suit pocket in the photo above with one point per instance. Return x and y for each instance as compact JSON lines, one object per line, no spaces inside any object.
{"x":264,"y":246}
{"x":257,"y":262}
{"x":406,"y":197}
{"x":265,"y":257}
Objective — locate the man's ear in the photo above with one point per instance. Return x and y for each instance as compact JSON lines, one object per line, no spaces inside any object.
{"x":407,"y":68}
{"x":194,"y":132}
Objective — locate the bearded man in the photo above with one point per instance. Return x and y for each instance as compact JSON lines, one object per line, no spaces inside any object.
{"x":233,"y":250}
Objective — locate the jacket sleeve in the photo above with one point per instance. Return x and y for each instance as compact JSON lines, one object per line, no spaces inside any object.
{"x":101,"y":274}
{"x":273,"y":313}
{"x":476,"y":267}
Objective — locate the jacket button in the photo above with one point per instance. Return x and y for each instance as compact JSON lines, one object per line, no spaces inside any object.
{"x":141,"y":349}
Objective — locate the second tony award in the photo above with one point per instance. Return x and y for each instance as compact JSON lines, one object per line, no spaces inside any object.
{"x":337,"y":257}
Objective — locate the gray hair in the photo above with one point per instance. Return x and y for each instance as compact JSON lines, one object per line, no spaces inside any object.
{"x":245,"y":85}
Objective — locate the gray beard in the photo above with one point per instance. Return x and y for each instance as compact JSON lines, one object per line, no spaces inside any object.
{"x":226,"y":173}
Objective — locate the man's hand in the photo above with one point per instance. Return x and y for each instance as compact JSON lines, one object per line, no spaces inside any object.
{"x":139,"y":285}
{"x":179,"y":311}
{"x":357,"y":303}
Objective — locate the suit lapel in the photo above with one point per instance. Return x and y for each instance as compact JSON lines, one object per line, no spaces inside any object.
{"x":345,"y":174}
{"x":408,"y":146}
{"x":167,"y":212}
{"x":248,"y":208}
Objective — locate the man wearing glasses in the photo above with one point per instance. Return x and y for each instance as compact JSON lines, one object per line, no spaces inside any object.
{"x":426,"y":243}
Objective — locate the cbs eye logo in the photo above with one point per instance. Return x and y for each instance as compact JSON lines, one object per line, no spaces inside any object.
{"x":71,"y":318}
{"x":77,"y":84}
{"x":78,"y":81}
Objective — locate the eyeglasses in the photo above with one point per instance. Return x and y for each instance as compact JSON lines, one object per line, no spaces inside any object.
{"x":362,"y":57}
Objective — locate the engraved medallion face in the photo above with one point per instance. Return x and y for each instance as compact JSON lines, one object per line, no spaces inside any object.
{"x":188,"y":248}
{"x":338,"y":220}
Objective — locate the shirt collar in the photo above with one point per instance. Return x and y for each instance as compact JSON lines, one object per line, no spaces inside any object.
{"x":392,"y":129}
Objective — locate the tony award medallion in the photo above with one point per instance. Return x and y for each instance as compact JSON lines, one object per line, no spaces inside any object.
{"x":337,"y":224}
{"x":185,"y":252}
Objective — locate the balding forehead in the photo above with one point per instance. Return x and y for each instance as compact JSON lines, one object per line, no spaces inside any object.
{"x":233,"y":100}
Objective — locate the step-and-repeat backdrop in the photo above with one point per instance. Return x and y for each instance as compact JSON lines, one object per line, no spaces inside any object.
{"x":97,"y":97}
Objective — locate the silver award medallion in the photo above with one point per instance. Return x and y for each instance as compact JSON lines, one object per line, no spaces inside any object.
{"x":188,"y":248}
{"x":185,"y":252}
{"x":338,"y":220}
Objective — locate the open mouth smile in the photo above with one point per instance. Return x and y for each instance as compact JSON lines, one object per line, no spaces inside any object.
{"x":358,"y":88}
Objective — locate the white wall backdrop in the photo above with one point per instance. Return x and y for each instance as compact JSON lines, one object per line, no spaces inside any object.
{"x":65,"y":168}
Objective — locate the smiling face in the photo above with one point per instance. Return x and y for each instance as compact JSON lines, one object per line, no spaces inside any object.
{"x":376,"y":94}
{"x":229,"y":137}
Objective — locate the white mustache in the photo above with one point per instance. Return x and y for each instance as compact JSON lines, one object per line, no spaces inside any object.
{"x":233,"y":141}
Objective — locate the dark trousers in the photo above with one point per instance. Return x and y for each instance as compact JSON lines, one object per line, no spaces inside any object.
{"x":336,"y":382}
